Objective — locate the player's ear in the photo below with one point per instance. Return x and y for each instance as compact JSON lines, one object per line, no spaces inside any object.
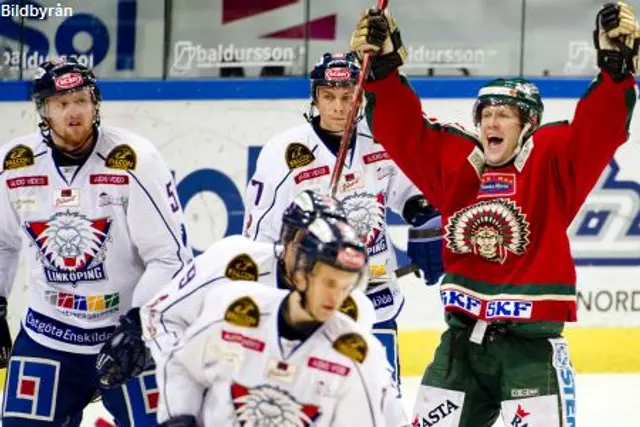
{"x":300,"y":280}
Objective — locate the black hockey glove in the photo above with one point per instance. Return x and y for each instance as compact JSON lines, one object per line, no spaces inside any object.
{"x":378,"y":34}
{"x":180,"y":421}
{"x":617,"y":39}
{"x":5,"y":335}
{"x":125,"y":355}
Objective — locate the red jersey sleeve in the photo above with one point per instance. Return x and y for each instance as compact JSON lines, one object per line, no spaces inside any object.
{"x":431,"y":154}
{"x":583,"y":148}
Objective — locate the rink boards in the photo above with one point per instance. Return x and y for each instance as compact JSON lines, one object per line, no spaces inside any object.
{"x":211,"y":134}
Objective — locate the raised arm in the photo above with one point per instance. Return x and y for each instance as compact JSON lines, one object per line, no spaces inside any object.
{"x":428,"y":152}
{"x":601,"y":121}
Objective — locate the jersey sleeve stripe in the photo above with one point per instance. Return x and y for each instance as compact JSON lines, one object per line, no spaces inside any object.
{"x":273,"y":202}
{"x":164,"y":221}
{"x":366,"y":392}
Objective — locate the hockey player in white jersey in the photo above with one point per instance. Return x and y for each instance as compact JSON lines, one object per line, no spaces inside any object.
{"x":95,"y":210}
{"x":304,"y":157}
{"x":167,"y":316}
{"x":175,"y":307}
{"x":269,"y":357}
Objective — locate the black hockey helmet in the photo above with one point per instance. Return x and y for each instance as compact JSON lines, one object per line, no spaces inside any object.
{"x":333,"y":242}
{"x":334,"y":70}
{"x":304,"y":208}
{"x":61,"y":75}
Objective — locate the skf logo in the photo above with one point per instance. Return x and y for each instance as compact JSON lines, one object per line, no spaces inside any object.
{"x":606,"y":231}
{"x":518,"y":418}
{"x":452,"y":298}
{"x":509,"y":309}
{"x":435,"y":415}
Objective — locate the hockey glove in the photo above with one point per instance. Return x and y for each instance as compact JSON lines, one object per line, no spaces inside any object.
{"x":378,"y":34}
{"x":124,"y":356}
{"x":425,"y":238}
{"x":617,"y":38}
{"x":180,"y":421}
{"x":5,"y":335}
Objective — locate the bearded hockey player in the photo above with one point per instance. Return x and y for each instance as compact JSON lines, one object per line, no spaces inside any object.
{"x":507,"y":197}
{"x":96,"y":210}
{"x":266,"y":356}
{"x":303,"y":158}
{"x":167,"y":316}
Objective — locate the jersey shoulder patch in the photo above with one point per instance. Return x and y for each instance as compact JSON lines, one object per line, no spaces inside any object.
{"x":350,"y":308}
{"x":18,"y":157}
{"x":298,"y":155}
{"x":122,"y":157}
{"x":243,"y":312}
{"x":242,"y":267}
{"x":352,"y":345}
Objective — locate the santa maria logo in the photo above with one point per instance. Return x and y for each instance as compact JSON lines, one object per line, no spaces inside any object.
{"x":366,"y":213}
{"x":71,"y":246}
{"x":491,"y":229}
{"x":269,"y":406}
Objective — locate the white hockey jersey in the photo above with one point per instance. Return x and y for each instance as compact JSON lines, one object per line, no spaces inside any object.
{"x":100,"y":238}
{"x":181,"y":301}
{"x":338,"y":377}
{"x":298,"y":160}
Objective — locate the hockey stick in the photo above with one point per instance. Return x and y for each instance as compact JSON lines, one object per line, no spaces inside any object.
{"x":355,"y":106}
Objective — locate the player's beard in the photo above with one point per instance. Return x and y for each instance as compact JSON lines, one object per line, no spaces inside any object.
{"x":73,"y":140}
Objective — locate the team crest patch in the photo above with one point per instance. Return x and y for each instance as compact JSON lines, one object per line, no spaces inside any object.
{"x":18,"y":157}
{"x":122,"y":157}
{"x":353,"y":346}
{"x":267,"y":405}
{"x":242,"y":267}
{"x":366,"y":213}
{"x":298,"y":155}
{"x":491,"y":229}
{"x":71,"y":247}
{"x":243,"y":312}
{"x":350,"y":308}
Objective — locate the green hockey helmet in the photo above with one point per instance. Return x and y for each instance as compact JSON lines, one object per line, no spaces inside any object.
{"x":519,"y":92}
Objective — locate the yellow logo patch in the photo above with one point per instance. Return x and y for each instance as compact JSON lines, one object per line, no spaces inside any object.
{"x":18,"y":157}
{"x":122,"y":157}
{"x":243,"y":312}
{"x":242,"y":267}
{"x":298,"y":155}
{"x":350,"y":308}
{"x":353,"y":346}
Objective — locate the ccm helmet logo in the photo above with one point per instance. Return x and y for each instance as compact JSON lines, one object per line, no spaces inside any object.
{"x":337,"y":74}
{"x":68,"y":81}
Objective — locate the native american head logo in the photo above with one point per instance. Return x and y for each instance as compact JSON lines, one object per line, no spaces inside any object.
{"x":70,"y":243}
{"x":366,"y":213}
{"x":269,"y":406}
{"x":491,"y":229}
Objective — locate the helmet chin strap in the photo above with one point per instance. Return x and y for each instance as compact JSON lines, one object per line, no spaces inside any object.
{"x":521,"y":137}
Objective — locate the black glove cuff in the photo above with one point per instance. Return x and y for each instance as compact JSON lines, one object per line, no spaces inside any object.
{"x":3,"y":308}
{"x":615,"y":63}
{"x":417,"y":211}
{"x":382,"y":66}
